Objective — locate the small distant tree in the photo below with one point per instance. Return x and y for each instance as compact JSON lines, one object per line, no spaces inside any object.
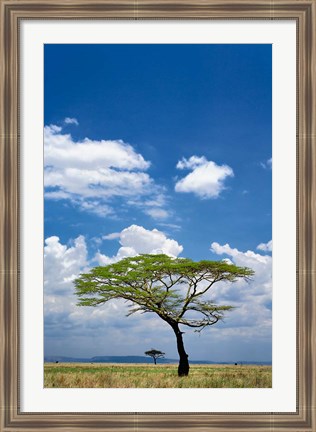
{"x":155,"y":354}
{"x":172,"y":288}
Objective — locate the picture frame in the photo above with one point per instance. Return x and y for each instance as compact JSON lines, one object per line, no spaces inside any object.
{"x":12,"y":12}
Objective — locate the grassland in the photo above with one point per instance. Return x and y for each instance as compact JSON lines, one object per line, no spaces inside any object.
{"x":105,"y":375}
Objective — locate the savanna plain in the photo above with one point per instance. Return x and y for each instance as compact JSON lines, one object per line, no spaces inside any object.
{"x":108,"y":375}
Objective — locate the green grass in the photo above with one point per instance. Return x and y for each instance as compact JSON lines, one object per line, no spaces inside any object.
{"x":105,"y":375}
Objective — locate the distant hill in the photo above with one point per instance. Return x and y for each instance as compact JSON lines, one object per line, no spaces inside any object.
{"x":137,"y":359}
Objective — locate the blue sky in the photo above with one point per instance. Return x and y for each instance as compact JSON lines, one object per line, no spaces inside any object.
{"x":157,"y":148}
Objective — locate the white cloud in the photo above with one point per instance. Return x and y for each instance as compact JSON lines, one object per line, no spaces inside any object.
{"x":90,"y":173}
{"x":146,"y":241}
{"x":157,"y":213}
{"x":192,"y":163}
{"x":267,"y":164}
{"x":95,"y":206}
{"x":85,"y":331}
{"x":253,"y":299}
{"x":123,"y":252}
{"x":55,"y":129}
{"x":67,"y":325}
{"x":71,"y":120}
{"x":172,"y":226}
{"x":75,"y":331}
{"x":61,"y":151}
{"x":62,"y":264}
{"x":111,"y":236}
{"x":57,"y":195}
{"x":206,"y":179}
{"x":238,"y":256}
{"x":155,"y":206}
{"x":136,"y":240}
{"x":267,"y":247}
{"x":158,"y":201}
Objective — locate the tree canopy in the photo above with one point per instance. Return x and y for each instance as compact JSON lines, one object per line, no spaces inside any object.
{"x":172,"y":288}
{"x":155,"y":354}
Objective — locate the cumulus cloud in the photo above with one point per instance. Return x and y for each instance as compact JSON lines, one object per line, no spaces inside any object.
{"x":71,"y":120}
{"x":266,"y":247}
{"x":62,"y":263}
{"x":90,"y":173}
{"x":72,"y":330}
{"x":206,"y":179}
{"x":62,"y":151}
{"x":92,"y":168}
{"x":253,"y":300}
{"x":249,"y":256}
{"x":136,"y":240}
{"x":192,"y":163}
{"x":69,"y":328}
{"x":149,"y":241}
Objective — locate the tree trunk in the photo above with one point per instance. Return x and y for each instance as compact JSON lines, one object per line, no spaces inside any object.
{"x":155,"y":361}
{"x":183,"y":369}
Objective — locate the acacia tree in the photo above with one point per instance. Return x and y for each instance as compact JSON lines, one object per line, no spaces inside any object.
{"x":155,"y":354}
{"x":173,"y":288}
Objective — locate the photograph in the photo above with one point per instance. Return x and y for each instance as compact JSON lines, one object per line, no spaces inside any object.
{"x":157,"y":189}
{"x":158,"y":229}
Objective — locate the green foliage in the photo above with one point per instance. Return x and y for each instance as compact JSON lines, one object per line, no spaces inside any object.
{"x":173,"y":288}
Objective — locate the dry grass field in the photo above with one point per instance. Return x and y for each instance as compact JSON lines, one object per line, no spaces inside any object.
{"x":106,"y":375}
